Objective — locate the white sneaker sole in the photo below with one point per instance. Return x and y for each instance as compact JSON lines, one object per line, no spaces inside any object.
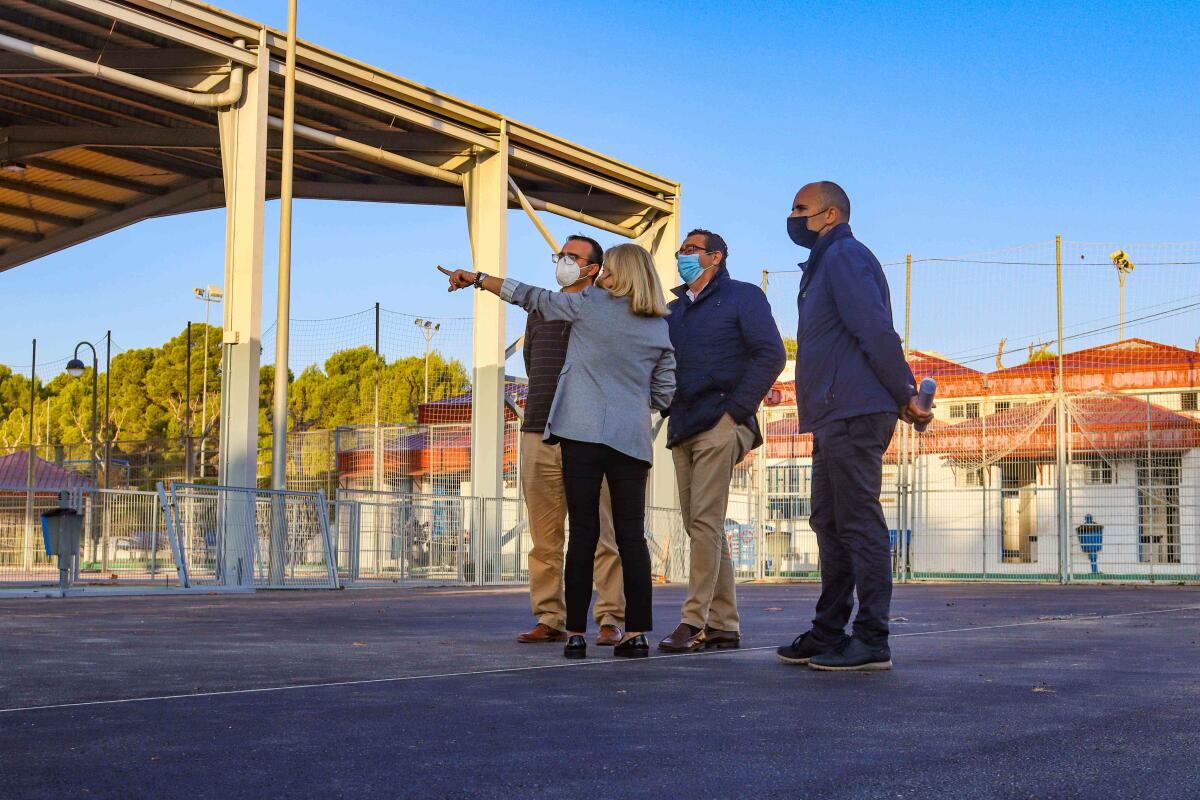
{"x":874,"y":666}
{"x":786,"y":660}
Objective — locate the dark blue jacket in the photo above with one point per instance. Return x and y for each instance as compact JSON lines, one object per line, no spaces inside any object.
{"x":728,"y":353}
{"x":849,"y":358}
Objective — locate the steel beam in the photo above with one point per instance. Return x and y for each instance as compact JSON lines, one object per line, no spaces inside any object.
{"x":375,"y":154}
{"x":106,"y":223}
{"x":48,"y":193}
{"x":25,"y":212}
{"x":580,"y":175}
{"x":167,"y":138}
{"x":441,"y":195}
{"x":169,"y":30}
{"x":403,"y":112}
{"x":20,"y":235}
{"x":559,"y":148}
{"x":129,"y":59}
{"x":91,"y":175}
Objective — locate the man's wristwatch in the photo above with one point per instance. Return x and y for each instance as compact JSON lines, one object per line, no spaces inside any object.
{"x":478,"y":282}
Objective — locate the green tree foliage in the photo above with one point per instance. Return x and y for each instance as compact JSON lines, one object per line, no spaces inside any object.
{"x":789,"y":345}
{"x":342,"y":391}
{"x":149,"y":401}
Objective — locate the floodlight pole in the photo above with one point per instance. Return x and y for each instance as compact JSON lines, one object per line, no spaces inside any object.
{"x":187,"y":413}
{"x":279,"y":417}
{"x":1060,"y":433}
{"x":209,"y":297}
{"x":107,"y":414}
{"x":27,"y":551}
{"x":429,"y":329}
{"x":279,"y":405}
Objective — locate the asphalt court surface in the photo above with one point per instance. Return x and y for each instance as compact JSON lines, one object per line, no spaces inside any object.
{"x":1012,"y":691}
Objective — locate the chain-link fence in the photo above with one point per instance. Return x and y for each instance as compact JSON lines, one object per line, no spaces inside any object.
{"x":124,"y":538}
{"x":252,"y":537}
{"x":1066,"y":444}
{"x":1066,"y":440}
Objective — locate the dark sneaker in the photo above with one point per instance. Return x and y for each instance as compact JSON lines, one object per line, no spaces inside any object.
{"x":802,"y":648}
{"x":854,"y":654}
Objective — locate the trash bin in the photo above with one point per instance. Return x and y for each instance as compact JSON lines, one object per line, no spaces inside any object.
{"x":1091,"y":540}
{"x":62,"y":529}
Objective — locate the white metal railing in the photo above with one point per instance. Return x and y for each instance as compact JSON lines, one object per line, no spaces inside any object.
{"x":236,"y":536}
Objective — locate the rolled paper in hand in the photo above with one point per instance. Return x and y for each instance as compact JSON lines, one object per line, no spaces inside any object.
{"x":925,"y":400}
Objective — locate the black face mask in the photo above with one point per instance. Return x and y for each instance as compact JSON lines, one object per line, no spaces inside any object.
{"x":799,"y":232}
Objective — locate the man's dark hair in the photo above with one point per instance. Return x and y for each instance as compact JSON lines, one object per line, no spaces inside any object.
{"x":597,"y":254}
{"x":713,"y":243}
{"x":834,"y":196}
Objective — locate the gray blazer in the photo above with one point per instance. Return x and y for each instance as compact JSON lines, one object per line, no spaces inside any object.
{"x":619,"y":366}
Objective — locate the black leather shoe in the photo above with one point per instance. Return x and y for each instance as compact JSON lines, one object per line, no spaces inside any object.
{"x":853,"y":654}
{"x":576,"y":647}
{"x":721,"y":640}
{"x":637,"y":647}
{"x":804,"y":647}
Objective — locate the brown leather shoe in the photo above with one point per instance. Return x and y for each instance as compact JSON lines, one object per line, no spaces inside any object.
{"x":722,"y":640}
{"x":541,"y":633}
{"x":684,"y":639}
{"x":609,"y":636}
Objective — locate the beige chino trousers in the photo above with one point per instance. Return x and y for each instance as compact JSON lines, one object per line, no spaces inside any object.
{"x":546,"y":502}
{"x":703,"y":469}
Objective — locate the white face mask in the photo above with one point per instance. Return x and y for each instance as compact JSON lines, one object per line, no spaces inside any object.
{"x":566,"y":271}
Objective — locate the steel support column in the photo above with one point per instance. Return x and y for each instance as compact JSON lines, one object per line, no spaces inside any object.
{"x":486,"y":194}
{"x":662,"y":240}
{"x":243,"y":129}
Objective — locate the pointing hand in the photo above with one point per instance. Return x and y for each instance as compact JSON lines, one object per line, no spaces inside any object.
{"x":459,"y":278}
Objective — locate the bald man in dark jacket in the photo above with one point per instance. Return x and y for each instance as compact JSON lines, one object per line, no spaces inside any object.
{"x":852,"y":385}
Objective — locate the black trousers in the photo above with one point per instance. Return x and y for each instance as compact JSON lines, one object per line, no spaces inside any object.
{"x":585,"y":465}
{"x":852,"y":534}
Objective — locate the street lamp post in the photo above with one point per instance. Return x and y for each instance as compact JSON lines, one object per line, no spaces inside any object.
{"x":1124,"y":267}
{"x":429,"y":329}
{"x":212,"y":294}
{"x":76,"y":368}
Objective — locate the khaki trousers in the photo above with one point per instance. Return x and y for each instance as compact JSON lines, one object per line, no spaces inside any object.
{"x":546,"y":501}
{"x":703,"y":469}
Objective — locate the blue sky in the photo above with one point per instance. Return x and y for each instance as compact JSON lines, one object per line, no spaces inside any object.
{"x":955,"y":127}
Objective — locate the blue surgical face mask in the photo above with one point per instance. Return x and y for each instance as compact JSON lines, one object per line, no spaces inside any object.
{"x":689,"y":267}
{"x":800,"y":233}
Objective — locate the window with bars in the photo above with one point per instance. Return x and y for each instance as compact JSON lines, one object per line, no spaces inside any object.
{"x":1093,"y":471}
{"x":1158,"y":481}
{"x":1003,"y":405}
{"x":1188,"y":400}
{"x":971,"y":477}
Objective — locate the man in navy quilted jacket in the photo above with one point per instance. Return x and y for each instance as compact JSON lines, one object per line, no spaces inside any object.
{"x":728,"y":353}
{"x":852,"y":384}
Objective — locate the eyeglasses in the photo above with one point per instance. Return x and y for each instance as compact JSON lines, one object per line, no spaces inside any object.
{"x":582,"y":262}
{"x":693,"y":250}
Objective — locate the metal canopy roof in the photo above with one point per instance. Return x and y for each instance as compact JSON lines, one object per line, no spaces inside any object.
{"x":83,"y":155}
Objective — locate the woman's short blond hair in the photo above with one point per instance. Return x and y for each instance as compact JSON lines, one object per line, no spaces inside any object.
{"x":633,"y":276}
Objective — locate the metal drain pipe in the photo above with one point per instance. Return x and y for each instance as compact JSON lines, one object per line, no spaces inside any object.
{"x":184,"y":96}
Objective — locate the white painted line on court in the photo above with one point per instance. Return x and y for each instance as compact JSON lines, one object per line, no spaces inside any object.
{"x":566,"y":665}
